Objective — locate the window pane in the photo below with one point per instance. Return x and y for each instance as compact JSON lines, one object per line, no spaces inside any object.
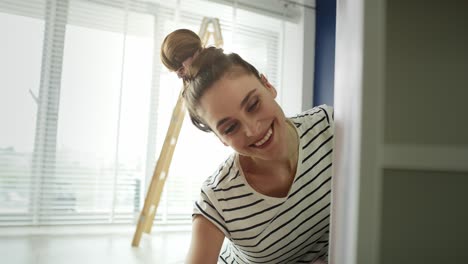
{"x":134,"y":120}
{"x":87,"y":125}
{"x":21,"y":51}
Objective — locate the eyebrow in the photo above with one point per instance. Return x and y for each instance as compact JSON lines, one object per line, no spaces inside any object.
{"x":246,"y":98}
{"x":244,"y":101}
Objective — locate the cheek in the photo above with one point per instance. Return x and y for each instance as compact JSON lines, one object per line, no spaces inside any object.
{"x":227,"y":141}
{"x":234,"y":142}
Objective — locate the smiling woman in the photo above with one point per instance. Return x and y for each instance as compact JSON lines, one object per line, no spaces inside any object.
{"x":271,"y":197}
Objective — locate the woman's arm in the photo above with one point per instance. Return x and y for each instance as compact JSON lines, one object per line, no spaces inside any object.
{"x":206,"y":242}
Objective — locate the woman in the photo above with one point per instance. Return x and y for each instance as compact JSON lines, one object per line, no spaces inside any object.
{"x":271,"y":197}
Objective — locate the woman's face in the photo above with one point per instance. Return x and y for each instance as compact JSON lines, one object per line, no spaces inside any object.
{"x":243,"y":113}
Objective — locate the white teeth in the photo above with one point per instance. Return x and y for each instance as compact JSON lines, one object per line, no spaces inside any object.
{"x":267,"y":136}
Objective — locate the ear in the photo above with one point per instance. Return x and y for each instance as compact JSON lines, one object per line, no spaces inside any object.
{"x":268,"y":85}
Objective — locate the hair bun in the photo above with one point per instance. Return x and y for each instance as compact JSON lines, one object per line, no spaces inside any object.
{"x":178,"y":46}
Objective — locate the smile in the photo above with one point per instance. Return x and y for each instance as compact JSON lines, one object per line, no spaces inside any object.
{"x":265,"y":138}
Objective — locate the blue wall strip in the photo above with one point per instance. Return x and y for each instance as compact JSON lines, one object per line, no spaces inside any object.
{"x":324,"y":52}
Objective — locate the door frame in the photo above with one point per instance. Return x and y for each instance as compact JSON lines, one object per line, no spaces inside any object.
{"x":358,"y":100}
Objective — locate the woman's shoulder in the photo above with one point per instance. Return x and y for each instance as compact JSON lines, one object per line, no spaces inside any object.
{"x":317,"y":113}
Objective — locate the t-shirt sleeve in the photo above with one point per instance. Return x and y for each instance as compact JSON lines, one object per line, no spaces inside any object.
{"x":328,"y":111}
{"x":207,"y":206}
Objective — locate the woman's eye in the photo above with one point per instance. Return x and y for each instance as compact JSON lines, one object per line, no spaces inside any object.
{"x":253,"y":106}
{"x":230,"y":129}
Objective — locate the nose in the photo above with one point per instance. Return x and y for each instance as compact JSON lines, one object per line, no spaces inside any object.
{"x":252,"y":128}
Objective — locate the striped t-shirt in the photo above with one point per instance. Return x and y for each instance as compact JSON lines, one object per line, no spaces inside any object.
{"x":264,"y":229}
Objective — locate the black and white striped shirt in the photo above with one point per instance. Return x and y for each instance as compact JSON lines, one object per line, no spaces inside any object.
{"x":264,"y":229}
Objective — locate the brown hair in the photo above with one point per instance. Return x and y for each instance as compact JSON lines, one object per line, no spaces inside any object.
{"x":209,"y":66}
{"x":178,"y":46}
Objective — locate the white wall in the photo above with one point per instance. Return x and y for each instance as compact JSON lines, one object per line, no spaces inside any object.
{"x":298,"y":62}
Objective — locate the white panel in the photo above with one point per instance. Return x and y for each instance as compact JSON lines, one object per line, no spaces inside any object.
{"x":359,"y":83}
{"x":347,"y":99}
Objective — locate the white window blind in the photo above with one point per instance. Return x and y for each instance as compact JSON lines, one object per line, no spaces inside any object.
{"x":85,"y":104}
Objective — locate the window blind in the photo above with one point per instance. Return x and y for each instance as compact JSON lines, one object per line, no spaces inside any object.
{"x":85,"y":104}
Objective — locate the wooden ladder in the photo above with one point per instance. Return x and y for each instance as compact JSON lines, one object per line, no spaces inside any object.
{"x":145,"y":221}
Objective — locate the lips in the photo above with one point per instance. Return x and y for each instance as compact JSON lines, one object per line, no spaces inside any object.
{"x":264,"y":140}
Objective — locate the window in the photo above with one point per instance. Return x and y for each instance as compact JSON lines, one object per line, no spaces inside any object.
{"x":85,"y":104}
